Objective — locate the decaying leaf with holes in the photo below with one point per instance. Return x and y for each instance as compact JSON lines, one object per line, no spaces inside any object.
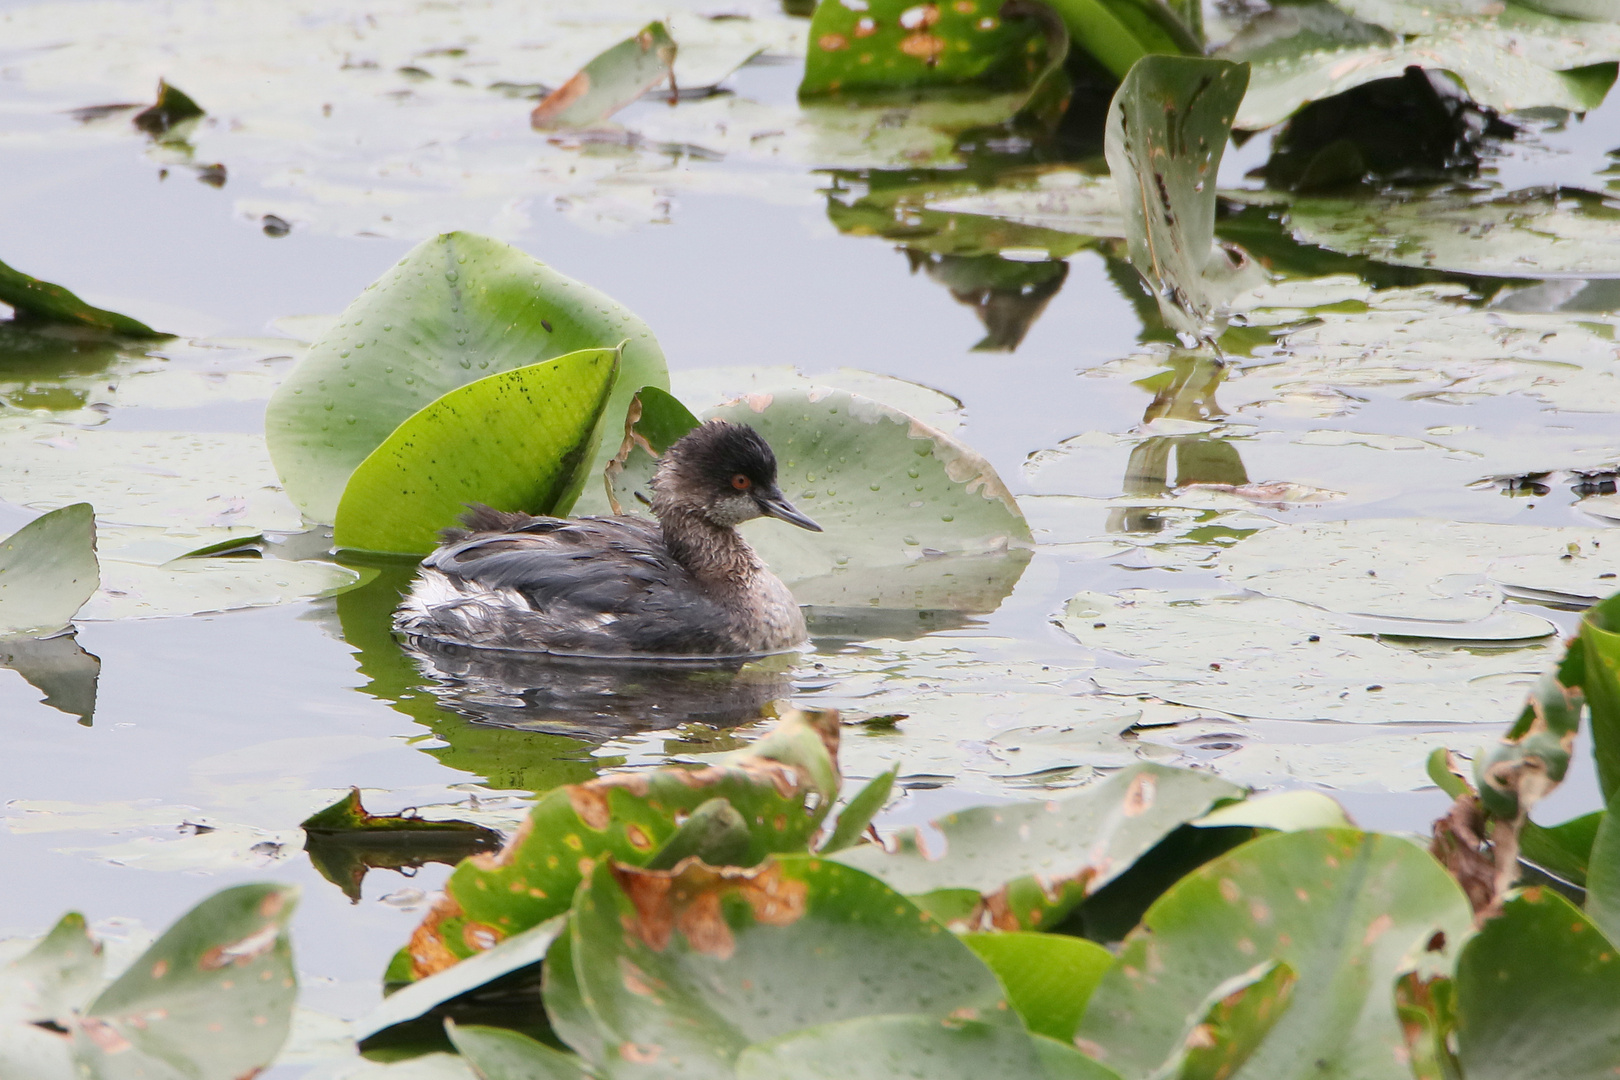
{"x":686,"y":968}
{"x":1033,"y":863}
{"x":630,"y":818}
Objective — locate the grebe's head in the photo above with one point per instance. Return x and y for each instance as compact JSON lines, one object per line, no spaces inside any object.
{"x":724,"y":473}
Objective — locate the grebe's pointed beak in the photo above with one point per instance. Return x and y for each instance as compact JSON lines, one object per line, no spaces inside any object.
{"x":773,"y":504}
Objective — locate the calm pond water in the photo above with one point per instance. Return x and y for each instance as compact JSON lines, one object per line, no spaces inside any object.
{"x":213,"y":735}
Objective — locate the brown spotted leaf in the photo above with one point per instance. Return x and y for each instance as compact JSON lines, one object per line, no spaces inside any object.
{"x":686,"y":968}
{"x":630,"y":817}
{"x":610,"y":81}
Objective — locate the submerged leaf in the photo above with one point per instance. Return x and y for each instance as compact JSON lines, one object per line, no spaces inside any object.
{"x":48,"y":570}
{"x":1167,"y":130}
{"x":610,"y":81}
{"x":458,"y":308}
{"x":41,"y":301}
{"x":519,"y":440}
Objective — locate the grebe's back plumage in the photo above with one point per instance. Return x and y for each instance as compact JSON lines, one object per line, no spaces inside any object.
{"x":686,"y":585}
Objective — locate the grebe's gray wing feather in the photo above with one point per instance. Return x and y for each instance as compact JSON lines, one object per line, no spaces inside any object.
{"x":591,"y":585}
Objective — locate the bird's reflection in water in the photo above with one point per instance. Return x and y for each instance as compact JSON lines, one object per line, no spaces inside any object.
{"x":595,"y":698}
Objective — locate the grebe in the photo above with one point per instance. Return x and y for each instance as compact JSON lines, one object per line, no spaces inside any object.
{"x":687,"y":585}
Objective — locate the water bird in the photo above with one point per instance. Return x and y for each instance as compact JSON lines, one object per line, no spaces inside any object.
{"x":687,"y":585}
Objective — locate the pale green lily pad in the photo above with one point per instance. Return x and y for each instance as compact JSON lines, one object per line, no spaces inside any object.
{"x":1254,"y":656}
{"x":1532,"y":233}
{"x":1448,"y":572}
{"x":912,"y":518}
{"x":48,"y":570}
{"x":1288,"y":811}
{"x":166,"y":478}
{"x":132,"y":590}
{"x":455,"y":310}
{"x":703,"y":388}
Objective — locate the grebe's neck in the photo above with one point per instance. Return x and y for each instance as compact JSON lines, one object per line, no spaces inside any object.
{"x":716,"y":555}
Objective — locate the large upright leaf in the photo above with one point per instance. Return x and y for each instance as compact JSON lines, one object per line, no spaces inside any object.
{"x":458,"y":308}
{"x":520,"y":440}
{"x":1167,"y":130}
{"x":1347,"y":911}
{"x":683,"y":969}
{"x":1538,"y":995}
{"x":48,"y":570}
{"x":1602,"y":876}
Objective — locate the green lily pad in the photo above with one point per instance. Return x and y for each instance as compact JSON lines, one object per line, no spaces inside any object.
{"x":517,"y":440}
{"x":458,"y":308}
{"x":34,"y":300}
{"x":1048,"y":977}
{"x":1167,"y":130}
{"x":1034,"y":862}
{"x":1346,"y":911}
{"x":685,"y":969}
{"x":1600,"y":680}
{"x":499,"y":1054}
{"x":344,"y":841}
{"x":880,"y":1047}
{"x":48,"y":570}
{"x":1538,"y":995}
{"x":1602,"y":872}
{"x":610,"y":81}
{"x":895,"y":45}
{"x":911,"y":517}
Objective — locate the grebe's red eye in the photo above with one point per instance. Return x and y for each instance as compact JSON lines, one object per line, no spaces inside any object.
{"x":741,"y":482}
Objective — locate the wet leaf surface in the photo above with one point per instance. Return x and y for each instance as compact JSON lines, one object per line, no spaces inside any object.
{"x":38,"y":301}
